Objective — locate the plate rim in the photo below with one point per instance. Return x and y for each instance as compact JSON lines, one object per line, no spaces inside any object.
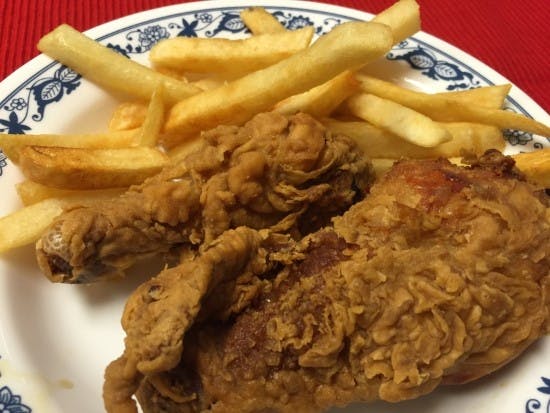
{"x":43,"y":62}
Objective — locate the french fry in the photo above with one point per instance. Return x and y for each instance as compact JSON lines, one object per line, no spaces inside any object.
{"x":491,"y":97}
{"x":26,"y":225}
{"x":382,"y":165}
{"x":260,"y":21}
{"x":234,"y":57}
{"x":176,"y":74}
{"x":442,"y":109}
{"x":406,"y":123}
{"x":128,"y":115}
{"x":536,"y":166}
{"x":108,"y":68}
{"x":321,"y":100}
{"x":12,"y":145}
{"x":402,"y":17}
{"x":154,"y":119}
{"x":347,"y":46}
{"x":209,"y":83}
{"x":178,"y":153}
{"x":76,"y":168}
{"x":474,"y":138}
{"x":377,"y":143}
{"x":32,"y":192}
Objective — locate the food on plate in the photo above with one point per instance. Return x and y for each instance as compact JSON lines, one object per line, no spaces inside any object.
{"x":276,"y":170}
{"x":13,"y":144}
{"x":398,"y":120}
{"x":84,"y":168}
{"x":108,"y":68}
{"x":30,"y":192}
{"x":229,"y":57}
{"x":259,"y":322}
{"x":347,"y":46}
{"x":533,"y":165}
{"x":403,"y":17}
{"x":128,"y":115}
{"x":153,"y":121}
{"x":440,"y":108}
{"x":137,"y":123}
{"x":321,"y":100}
{"x":536,"y":166}
{"x":26,"y":225}
{"x":259,"y":21}
{"x":274,"y":298}
{"x":487,"y":96}
{"x":379,"y":143}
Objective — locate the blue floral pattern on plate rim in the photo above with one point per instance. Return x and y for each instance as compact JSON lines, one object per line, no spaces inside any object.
{"x":535,"y":405}
{"x":11,"y":403}
{"x":27,"y":103}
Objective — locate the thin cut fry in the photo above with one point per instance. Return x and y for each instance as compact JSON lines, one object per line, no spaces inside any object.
{"x":176,"y":74}
{"x":321,"y":100}
{"x":398,"y":119}
{"x":154,"y":119}
{"x":382,"y":165}
{"x":491,"y":97}
{"x":108,"y":68}
{"x":76,"y":168}
{"x":12,"y":145}
{"x":234,"y":57}
{"x":26,"y":225}
{"x":128,"y":115}
{"x":449,"y":110}
{"x":474,"y":138}
{"x":260,"y":21}
{"x":377,"y":143}
{"x":31,"y":192}
{"x":209,"y":83}
{"x":347,"y":46}
{"x":178,"y":153}
{"x":402,"y":17}
{"x":536,"y":166}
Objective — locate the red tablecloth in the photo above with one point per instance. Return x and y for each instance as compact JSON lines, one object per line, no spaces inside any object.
{"x":511,"y":36}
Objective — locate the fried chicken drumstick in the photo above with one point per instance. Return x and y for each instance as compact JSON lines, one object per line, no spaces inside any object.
{"x":270,"y":171}
{"x":441,"y":275}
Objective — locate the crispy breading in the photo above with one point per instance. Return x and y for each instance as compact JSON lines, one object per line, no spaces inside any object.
{"x":271,"y":171}
{"x":441,"y":275}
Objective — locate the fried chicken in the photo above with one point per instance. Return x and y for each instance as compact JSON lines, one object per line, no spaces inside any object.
{"x":161,"y":310}
{"x":441,"y":275}
{"x":269,"y":172}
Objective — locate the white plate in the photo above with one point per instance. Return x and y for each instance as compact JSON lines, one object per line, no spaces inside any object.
{"x":55,"y":340}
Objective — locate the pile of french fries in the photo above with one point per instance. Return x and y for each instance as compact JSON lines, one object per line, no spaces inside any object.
{"x":194,"y":84}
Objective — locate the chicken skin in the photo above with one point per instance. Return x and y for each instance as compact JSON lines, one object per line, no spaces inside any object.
{"x":271,"y":171}
{"x":440,"y":276}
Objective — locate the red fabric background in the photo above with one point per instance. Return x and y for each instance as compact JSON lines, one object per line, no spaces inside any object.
{"x":511,"y":36}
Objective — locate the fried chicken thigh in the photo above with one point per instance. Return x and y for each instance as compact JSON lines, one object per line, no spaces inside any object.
{"x":271,"y":171}
{"x":441,"y":275}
